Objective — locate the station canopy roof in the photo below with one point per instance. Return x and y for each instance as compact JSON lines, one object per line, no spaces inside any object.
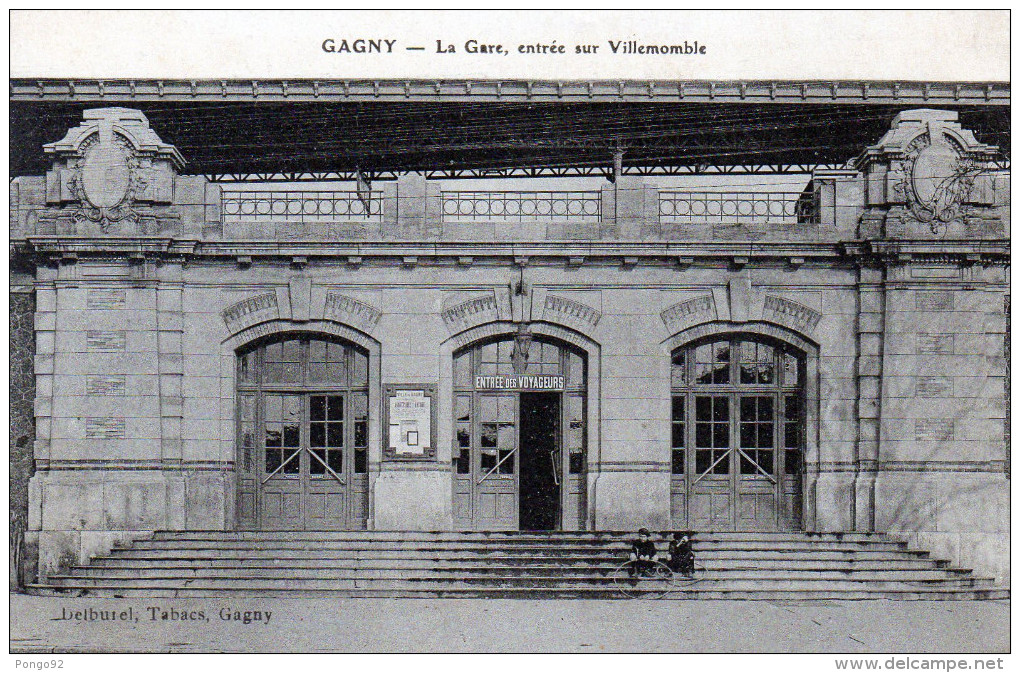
{"x":303,"y":130}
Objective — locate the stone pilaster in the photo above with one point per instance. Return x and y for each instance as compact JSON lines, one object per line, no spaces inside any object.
{"x":410,"y":221}
{"x":170,"y":362}
{"x":633,"y":211}
{"x":170,"y":370}
{"x":45,"y":337}
{"x":839,"y":201}
{"x":871,"y":327}
{"x":45,"y":329}
{"x":608,"y":228}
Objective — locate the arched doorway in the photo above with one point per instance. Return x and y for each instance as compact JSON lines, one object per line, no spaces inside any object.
{"x":737,"y":434}
{"x":519,"y":418}
{"x":302,"y":434}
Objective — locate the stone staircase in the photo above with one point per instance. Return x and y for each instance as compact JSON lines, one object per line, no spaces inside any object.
{"x":791,"y":566}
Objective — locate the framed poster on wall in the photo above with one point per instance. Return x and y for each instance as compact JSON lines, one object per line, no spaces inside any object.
{"x":409,"y":413}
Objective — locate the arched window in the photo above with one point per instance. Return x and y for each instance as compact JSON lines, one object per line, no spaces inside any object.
{"x":302,"y":419}
{"x":737,"y":429}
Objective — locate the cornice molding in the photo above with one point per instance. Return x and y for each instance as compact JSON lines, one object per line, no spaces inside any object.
{"x":871,"y":92}
{"x":625,"y":254}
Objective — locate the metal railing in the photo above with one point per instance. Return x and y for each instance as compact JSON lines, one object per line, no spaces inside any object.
{"x":676,"y":207}
{"x":301,"y":206}
{"x":563,"y":206}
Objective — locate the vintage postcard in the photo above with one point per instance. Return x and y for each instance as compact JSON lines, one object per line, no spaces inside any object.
{"x":510,"y":332}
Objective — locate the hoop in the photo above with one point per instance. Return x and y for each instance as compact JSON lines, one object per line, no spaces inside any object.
{"x":655,"y":582}
{"x":680,"y":580}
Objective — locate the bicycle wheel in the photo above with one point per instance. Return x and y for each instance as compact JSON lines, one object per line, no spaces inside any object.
{"x":680,"y":580}
{"x":653,"y":582}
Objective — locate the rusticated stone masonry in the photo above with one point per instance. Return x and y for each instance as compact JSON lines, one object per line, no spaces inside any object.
{"x":22,"y":401}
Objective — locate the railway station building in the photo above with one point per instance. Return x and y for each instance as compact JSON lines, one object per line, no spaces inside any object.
{"x":733,"y":306}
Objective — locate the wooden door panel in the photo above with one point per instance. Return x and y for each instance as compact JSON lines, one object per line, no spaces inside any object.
{"x":315,"y":507}
{"x":757,"y":482}
{"x":335,"y":502}
{"x":282,"y":509}
{"x":495,"y":464}
{"x":462,"y":502}
{"x":272,"y":506}
{"x":495,"y":511}
{"x":462,"y":509}
{"x":246,"y":507}
{"x":701,"y":509}
{"x":358,"y":496}
{"x":711,"y":506}
{"x":325,"y":510}
{"x":325,"y":507}
{"x":497,"y":503}
{"x":329,"y":457}
{"x":506,"y":507}
{"x":721,"y":504}
{"x":574,"y":503}
{"x":746,"y":507}
{"x":678,"y":502}
{"x":791,"y":514}
{"x":496,"y":507}
{"x":572,"y":452}
{"x":246,"y":462}
{"x":486,"y":509}
{"x":757,"y":505}
{"x":756,"y":511}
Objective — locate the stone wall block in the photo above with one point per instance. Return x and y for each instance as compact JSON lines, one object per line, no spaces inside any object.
{"x":631,"y":500}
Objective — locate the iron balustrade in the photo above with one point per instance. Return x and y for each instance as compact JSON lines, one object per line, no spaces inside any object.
{"x":301,"y":206}
{"x":676,"y":207}
{"x":563,"y":206}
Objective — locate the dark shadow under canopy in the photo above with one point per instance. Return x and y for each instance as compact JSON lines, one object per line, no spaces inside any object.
{"x":450,"y":139}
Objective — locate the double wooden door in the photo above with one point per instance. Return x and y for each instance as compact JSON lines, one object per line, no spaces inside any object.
{"x":311,"y":476}
{"x":737,"y":437}
{"x":302,"y":423}
{"x":519,"y":457}
{"x":734,"y":480}
{"x":516,"y":478}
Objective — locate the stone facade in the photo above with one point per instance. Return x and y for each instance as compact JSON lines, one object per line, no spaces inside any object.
{"x":22,"y":401}
{"x":893,"y":288}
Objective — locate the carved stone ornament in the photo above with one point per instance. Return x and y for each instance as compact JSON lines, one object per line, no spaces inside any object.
{"x":936,"y":178}
{"x":109,"y":161}
{"x":926,"y":166}
{"x":522,"y":344}
{"x":105,"y":181}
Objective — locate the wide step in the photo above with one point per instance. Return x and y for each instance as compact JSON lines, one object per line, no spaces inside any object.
{"x":558,"y":546}
{"x":513,"y":565}
{"x":492,"y":572}
{"x":483,"y":563}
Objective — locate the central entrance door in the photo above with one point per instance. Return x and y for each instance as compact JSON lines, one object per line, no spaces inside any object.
{"x":302,"y":436}
{"x":519,"y":442}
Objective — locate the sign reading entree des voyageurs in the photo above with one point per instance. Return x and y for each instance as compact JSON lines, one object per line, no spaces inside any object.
{"x":554,"y":383}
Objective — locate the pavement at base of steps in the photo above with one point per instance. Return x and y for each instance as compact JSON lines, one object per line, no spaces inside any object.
{"x":72,"y":625}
